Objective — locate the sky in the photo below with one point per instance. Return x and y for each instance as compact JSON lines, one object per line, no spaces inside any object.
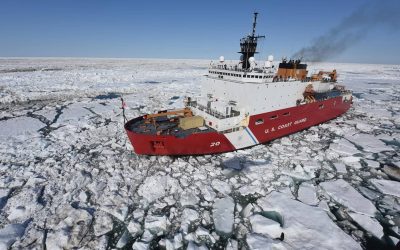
{"x":203,"y":29}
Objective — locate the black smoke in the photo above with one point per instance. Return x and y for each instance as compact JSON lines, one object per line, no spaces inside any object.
{"x":383,"y":14}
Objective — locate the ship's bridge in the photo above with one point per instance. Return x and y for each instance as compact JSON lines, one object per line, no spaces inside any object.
{"x":236,"y":73}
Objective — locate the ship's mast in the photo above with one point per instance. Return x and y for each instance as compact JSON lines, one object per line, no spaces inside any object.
{"x":254,"y":24}
{"x":248,"y":45}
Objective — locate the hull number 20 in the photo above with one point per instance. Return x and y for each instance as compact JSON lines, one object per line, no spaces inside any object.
{"x":215,"y":144}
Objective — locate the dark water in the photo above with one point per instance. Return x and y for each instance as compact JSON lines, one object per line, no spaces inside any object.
{"x":110,"y":95}
{"x":152,"y":82}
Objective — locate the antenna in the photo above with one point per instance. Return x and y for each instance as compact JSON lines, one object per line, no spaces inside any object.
{"x":254,"y":24}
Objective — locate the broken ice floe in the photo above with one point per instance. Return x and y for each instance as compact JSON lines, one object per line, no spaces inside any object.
{"x":387,"y":186}
{"x":306,"y":225}
{"x":344,"y":194}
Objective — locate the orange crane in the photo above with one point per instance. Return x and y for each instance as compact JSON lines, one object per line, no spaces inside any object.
{"x":319,"y":76}
{"x":186,"y":112}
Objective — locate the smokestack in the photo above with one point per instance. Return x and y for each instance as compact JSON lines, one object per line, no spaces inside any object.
{"x":352,"y":29}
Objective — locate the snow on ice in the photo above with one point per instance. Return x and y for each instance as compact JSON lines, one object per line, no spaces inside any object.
{"x":69,"y":179}
{"x":305,"y":225}
{"x":387,"y":186}
{"x":343,"y":193}
{"x":368,"y":223}
{"x":223,"y":215}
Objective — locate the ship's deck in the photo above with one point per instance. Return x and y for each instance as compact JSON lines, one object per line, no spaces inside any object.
{"x":163,"y":126}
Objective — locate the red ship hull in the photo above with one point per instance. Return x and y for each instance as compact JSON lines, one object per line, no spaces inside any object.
{"x":275,"y":124}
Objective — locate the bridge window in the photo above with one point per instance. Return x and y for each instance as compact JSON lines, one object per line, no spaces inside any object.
{"x":259,"y":121}
{"x":286,"y":114}
{"x":273,"y":117}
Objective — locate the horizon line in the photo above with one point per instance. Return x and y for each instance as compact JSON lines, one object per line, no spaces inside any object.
{"x":155,"y":58}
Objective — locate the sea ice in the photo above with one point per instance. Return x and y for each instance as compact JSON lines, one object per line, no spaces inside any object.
{"x":204,"y":236}
{"x":340,"y":167}
{"x":369,"y":143}
{"x":369,"y":224}
{"x":140,"y":245}
{"x":74,"y":113}
{"x":134,"y":228}
{"x":20,"y":126}
{"x":223,"y":215}
{"x":156,"y":224}
{"x":307,"y":194}
{"x":194,"y":246}
{"x":371,"y":163}
{"x":265,"y":226}
{"x":69,"y":231}
{"x":352,"y":161}
{"x":103,"y":223}
{"x":156,"y":187}
{"x":221,"y":186}
{"x":23,"y":205}
{"x":343,"y":193}
{"x":85,"y":159}
{"x":9,"y":234}
{"x":387,"y":186}
{"x":393,"y":172}
{"x":123,"y":240}
{"x":306,"y":226}
{"x":207,"y":192}
{"x":188,"y":216}
{"x":189,"y":198}
{"x":259,"y":242}
{"x":344,"y":147}
{"x":232,"y":245}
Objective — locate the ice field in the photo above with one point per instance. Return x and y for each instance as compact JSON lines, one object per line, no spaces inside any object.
{"x":69,"y":178}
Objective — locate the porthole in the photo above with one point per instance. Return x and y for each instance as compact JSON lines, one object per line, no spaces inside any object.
{"x":259,"y":121}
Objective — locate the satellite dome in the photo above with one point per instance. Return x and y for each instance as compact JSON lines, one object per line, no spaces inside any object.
{"x":221,"y":59}
{"x":271,"y":58}
{"x":252,"y":59}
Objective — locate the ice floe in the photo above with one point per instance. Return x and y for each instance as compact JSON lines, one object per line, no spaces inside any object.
{"x":343,"y":193}
{"x":305,"y":225}
{"x":307,"y":194}
{"x":387,"y":186}
{"x":265,"y":226}
{"x":20,"y":126}
{"x":369,"y":224}
{"x":9,"y":234}
{"x":223,"y":215}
